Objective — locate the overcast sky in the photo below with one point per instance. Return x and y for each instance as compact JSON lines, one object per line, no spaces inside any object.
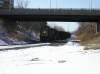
{"x":68,"y":26}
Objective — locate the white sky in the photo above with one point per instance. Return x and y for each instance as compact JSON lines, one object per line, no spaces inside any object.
{"x":68,"y":26}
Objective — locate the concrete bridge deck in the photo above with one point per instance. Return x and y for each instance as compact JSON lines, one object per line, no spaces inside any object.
{"x":75,"y":15}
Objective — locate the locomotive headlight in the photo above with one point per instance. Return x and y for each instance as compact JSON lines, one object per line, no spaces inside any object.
{"x":44,"y":33}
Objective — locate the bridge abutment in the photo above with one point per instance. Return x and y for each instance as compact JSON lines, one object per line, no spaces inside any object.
{"x":98,"y":26}
{"x":10,"y":25}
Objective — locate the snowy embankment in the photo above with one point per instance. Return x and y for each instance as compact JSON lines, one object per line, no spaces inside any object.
{"x":16,"y":47}
{"x":46,"y":59}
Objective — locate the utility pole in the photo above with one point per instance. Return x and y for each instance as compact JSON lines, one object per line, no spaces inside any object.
{"x":90,"y":4}
{"x":50,"y":4}
{"x":56,"y":4}
{"x":50,"y":7}
{"x":10,"y":4}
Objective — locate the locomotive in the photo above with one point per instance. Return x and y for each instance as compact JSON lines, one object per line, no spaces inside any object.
{"x":48,"y":34}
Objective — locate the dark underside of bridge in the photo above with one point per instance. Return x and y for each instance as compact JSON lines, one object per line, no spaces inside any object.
{"x":75,"y":15}
{"x":76,"y":18}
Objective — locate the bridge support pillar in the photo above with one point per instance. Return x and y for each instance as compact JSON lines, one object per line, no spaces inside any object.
{"x":10,"y":25}
{"x":98,"y":26}
{"x":1,"y":21}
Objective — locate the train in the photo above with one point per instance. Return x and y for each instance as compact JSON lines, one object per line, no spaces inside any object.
{"x":48,"y":34}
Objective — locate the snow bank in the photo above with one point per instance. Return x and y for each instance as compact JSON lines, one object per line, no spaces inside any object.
{"x":2,"y":42}
{"x":46,"y":59}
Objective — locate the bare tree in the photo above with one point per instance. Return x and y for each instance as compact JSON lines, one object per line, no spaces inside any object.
{"x":86,"y":31}
{"x":22,"y":3}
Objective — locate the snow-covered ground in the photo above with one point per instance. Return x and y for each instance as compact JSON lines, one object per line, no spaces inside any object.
{"x":46,"y":59}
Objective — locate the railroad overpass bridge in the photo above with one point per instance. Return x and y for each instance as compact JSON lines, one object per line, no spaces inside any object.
{"x":72,"y":15}
{"x":66,"y":15}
